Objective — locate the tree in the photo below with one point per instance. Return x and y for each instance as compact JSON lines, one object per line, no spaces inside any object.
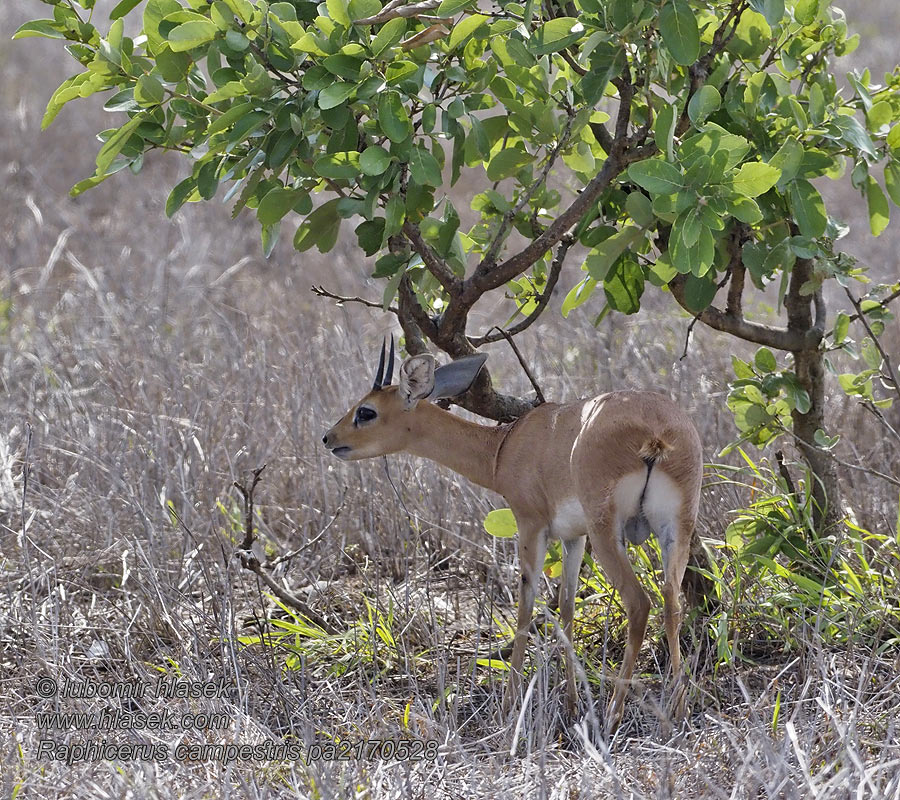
{"x":691,"y":134}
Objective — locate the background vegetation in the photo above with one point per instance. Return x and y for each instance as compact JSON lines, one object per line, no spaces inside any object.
{"x":157,"y":362}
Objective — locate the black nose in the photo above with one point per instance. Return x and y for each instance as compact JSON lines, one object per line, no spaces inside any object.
{"x":325,"y":439}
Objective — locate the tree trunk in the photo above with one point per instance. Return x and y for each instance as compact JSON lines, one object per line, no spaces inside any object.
{"x":826,"y":490}
{"x":809,"y":366}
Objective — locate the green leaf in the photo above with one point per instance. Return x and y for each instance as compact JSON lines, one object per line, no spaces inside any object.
{"x":603,"y":256}
{"x":370,"y":235}
{"x":276,"y":204}
{"x":359,"y":9}
{"x":788,"y":159}
{"x":699,"y":292}
{"x":179,"y":195}
{"x":191,"y":34}
{"x":336,"y":94}
{"x":391,"y":32}
{"x":578,"y":294}
{"x":40,"y":27}
{"x":664,"y":130}
{"x":624,"y":286}
{"x":148,"y":90}
{"x":696,"y":259}
{"x":680,"y":33}
{"x":772,"y":10}
{"x":892,"y":180}
{"x":501,"y":523}
{"x":809,"y":208}
{"x":765,"y":360}
{"x":343,"y":66}
{"x":656,"y":176}
{"x":338,"y":166}
{"x":816,"y":104}
{"x":113,"y":146}
{"x":806,"y":11}
{"x":507,"y":163}
{"x":893,"y":138}
{"x":705,"y":101}
{"x":123,"y":8}
{"x":880,"y":116}
{"x":424,"y":167}
{"x":746,"y":210}
{"x":853,"y":134}
{"x":392,"y":117}
{"x":374,"y":160}
{"x":879,"y":211}
{"x":755,"y":178}
{"x":337,"y":10}
{"x":465,"y":28}
{"x":450,"y":8}
{"x":841,"y":327}
{"x":320,"y":228}
{"x":555,"y":35}
{"x":640,"y":209}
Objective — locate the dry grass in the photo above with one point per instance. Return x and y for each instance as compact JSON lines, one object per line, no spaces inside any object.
{"x":155,"y":363}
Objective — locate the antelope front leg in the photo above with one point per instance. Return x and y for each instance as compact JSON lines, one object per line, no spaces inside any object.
{"x":532,"y":549}
{"x":573,"y":554}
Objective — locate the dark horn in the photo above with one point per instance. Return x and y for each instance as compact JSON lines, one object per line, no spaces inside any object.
{"x":389,"y":375}
{"x":380,"y":373}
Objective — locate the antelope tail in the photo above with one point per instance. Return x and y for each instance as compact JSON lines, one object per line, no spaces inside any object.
{"x":654,"y":449}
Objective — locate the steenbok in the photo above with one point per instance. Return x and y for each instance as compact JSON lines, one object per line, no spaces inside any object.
{"x":614,"y":467}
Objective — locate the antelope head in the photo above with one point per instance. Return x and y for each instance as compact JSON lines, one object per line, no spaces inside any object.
{"x":382,"y":422}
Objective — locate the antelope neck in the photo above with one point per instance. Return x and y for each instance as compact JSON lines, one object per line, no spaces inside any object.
{"x":465,"y":447}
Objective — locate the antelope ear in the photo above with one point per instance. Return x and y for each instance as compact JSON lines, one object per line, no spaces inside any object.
{"x":456,"y":377}
{"x":417,"y":375}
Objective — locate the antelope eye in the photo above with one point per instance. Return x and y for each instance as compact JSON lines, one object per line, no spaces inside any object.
{"x":364,"y":414}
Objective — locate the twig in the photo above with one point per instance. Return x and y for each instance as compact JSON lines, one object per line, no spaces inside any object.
{"x":26,"y":468}
{"x":537,"y":389}
{"x":311,"y":542}
{"x":250,"y":562}
{"x":321,"y":291}
{"x":891,"y":375}
{"x":782,"y":468}
{"x":697,"y":316}
{"x":841,"y":462}
{"x":248,"y":507}
{"x":882,"y":303}
{"x":687,"y":337}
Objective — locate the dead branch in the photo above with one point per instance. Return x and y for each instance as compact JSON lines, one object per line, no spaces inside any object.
{"x":537,"y":389}
{"x":250,"y":562}
{"x":321,"y":291}
{"x":396,"y":9}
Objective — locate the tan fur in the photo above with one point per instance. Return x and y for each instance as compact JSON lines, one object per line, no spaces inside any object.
{"x":555,"y":462}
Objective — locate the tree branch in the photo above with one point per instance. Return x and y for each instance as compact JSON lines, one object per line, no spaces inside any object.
{"x":484,"y":280}
{"x":412,"y":313}
{"x":543,"y":300}
{"x":734,"y":306}
{"x":779,"y":338}
{"x":490,"y":257}
{"x":433,"y":262}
